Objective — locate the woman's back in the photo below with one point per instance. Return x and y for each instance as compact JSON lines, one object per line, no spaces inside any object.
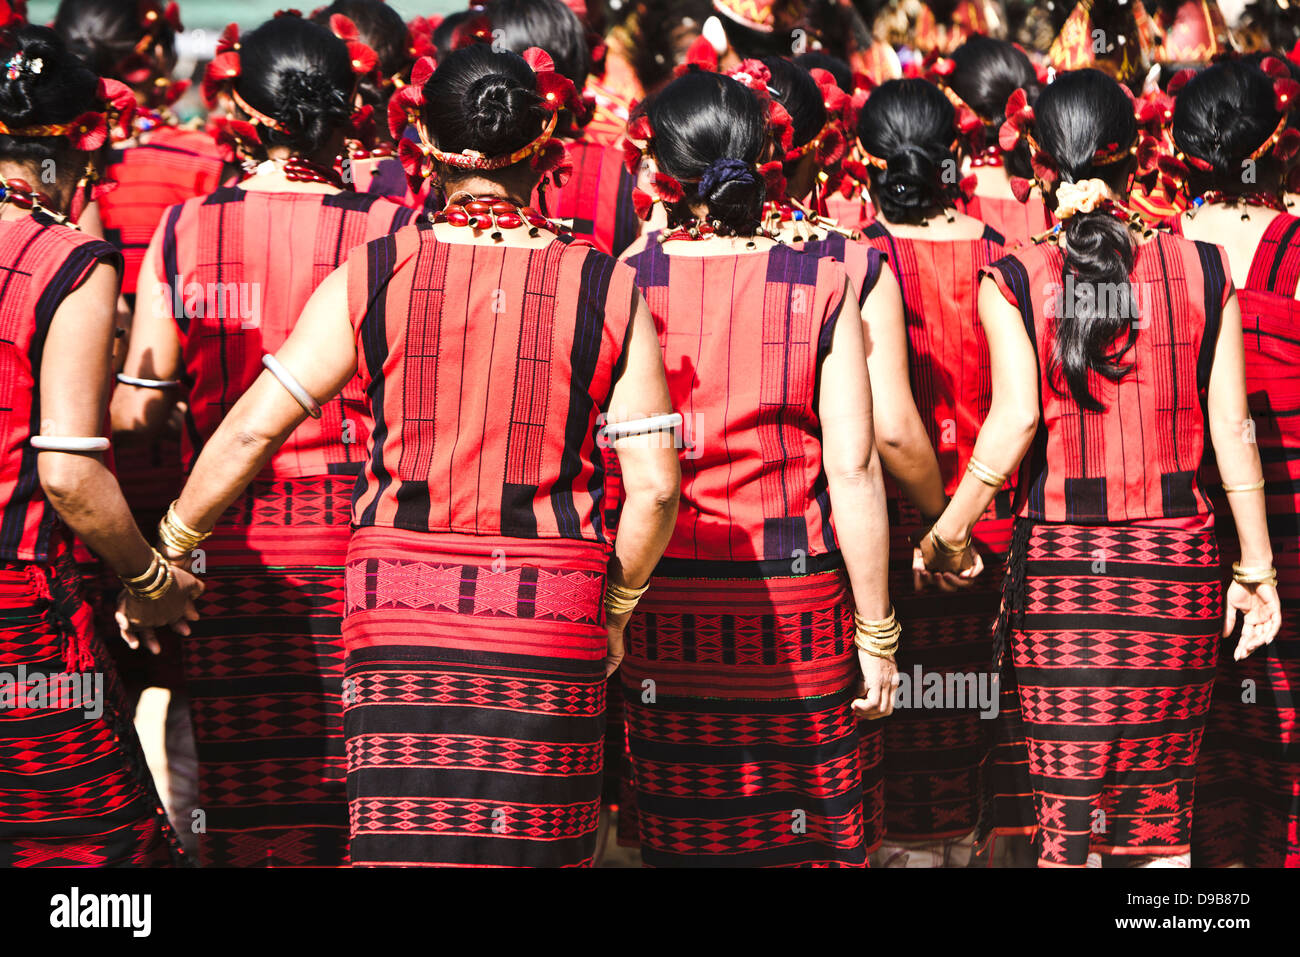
{"x":742,"y":337}
{"x":236,"y":268}
{"x":486,"y":368}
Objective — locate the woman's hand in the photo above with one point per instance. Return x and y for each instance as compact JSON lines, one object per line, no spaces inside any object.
{"x":1261,"y":616}
{"x":137,"y":618}
{"x":947,"y":572}
{"x":879,"y":681}
{"x":614,"y":627}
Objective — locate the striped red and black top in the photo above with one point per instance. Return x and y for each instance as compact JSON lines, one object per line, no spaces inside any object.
{"x":237,"y":268}
{"x":947,"y":354}
{"x":597,"y":199}
{"x":743,"y":336}
{"x":486,"y":370}
{"x":174,"y":165}
{"x":1017,"y":222}
{"x":1138,"y":458}
{"x":861,"y":261}
{"x":41,"y":263}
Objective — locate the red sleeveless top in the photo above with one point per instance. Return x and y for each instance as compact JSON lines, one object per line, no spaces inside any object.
{"x":743,"y":337}
{"x":1136,"y":460}
{"x":947,"y":355}
{"x":41,"y":263}
{"x":597,"y":199}
{"x":486,"y":369}
{"x":173,"y":166}
{"x":1018,"y":222}
{"x":237,"y":268}
{"x":861,"y":261}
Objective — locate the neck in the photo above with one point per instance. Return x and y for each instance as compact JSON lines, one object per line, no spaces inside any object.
{"x":480,"y":187}
{"x":59,"y":192}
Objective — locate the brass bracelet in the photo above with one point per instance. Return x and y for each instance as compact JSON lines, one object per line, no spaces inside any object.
{"x":942,"y":544}
{"x":157,"y":589}
{"x":879,"y":638}
{"x":176,"y":535}
{"x":148,"y":575}
{"x":620,"y":599}
{"x":1261,"y":575}
{"x":1252,"y":487}
{"x":985,"y":474}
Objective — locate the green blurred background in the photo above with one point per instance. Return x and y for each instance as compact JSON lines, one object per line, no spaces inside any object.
{"x":212,"y":14}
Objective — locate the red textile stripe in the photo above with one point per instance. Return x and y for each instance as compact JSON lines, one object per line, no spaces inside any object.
{"x":597,"y":199}
{"x":172,"y":166}
{"x":1018,"y":222}
{"x":249,"y":285}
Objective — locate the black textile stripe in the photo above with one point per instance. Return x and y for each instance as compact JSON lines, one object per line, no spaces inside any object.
{"x":526,"y":604}
{"x":1215,"y":283}
{"x":381,"y":255}
{"x":785,"y":538}
{"x":753,"y":571}
{"x":226,"y":194}
{"x":1178,"y":494}
{"x":1284,"y":248}
{"x":991,"y":235}
{"x":1085,"y":499}
{"x":171,"y":265}
{"x":627,"y":225}
{"x":597,"y":268}
{"x":412,"y":505}
{"x":1016,"y":276}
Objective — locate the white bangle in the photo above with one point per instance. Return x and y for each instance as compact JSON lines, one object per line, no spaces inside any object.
{"x":654,"y":423}
{"x":125,"y":379}
{"x":291,"y":385}
{"x":69,"y":443}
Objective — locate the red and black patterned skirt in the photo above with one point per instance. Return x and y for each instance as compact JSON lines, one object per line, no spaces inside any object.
{"x":1113,"y":632}
{"x":264,"y":669}
{"x":933,"y":755}
{"x":74,"y":787}
{"x":474,"y":699}
{"x":737,"y":693}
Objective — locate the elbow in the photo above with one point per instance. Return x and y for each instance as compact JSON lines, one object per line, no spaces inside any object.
{"x":658,"y":491}
{"x":63,"y":479}
{"x":1022,"y":422}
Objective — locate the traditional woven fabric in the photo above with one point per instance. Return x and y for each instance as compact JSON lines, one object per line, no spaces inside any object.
{"x":264,"y":669}
{"x":74,"y":788}
{"x":932,"y":755}
{"x":597,"y":199}
{"x":41,"y":263}
{"x":487,"y":369}
{"x":862,"y":263}
{"x":474,"y":699}
{"x":745,"y":752}
{"x":1248,"y":782}
{"x":742,"y":337}
{"x":1113,"y":632}
{"x":238,"y":267}
{"x":1017,"y":222}
{"x":1136,"y":460}
{"x":174,"y":165}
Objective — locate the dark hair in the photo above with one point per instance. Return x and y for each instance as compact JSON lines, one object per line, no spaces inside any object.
{"x":481,"y":100}
{"x":445,"y":33}
{"x":383,"y":30}
{"x":655,"y":34}
{"x":548,"y":24}
{"x":986,"y":73}
{"x":910,"y":125}
{"x":1082,"y":112}
{"x":795,"y":89}
{"x":63,"y":89}
{"x":105,"y":33}
{"x":710,"y":133}
{"x":300,"y":75}
{"x":1221,"y":116}
{"x":833,"y":65}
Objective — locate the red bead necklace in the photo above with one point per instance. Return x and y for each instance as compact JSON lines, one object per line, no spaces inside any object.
{"x":1257,"y":198}
{"x":299,"y":170}
{"x":988,"y":157}
{"x":694,"y":230}
{"x":494,"y":213}
{"x":20,"y":193}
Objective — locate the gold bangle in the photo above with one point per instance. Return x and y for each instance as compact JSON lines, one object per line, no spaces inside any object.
{"x":1261,"y":575}
{"x":148,"y":575}
{"x":877,"y":637}
{"x":1252,"y":487}
{"x":620,"y":599}
{"x":985,"y":474}
{"x":156,"y":589}
{"x":942,"y":544}
{"x":176,"y":535}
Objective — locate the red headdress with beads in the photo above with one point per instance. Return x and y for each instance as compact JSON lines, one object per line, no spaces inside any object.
{"x":87,"y":132}
{"x":545,"y":153}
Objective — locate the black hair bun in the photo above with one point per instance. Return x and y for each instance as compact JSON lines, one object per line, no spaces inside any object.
{"x":497,"y":107}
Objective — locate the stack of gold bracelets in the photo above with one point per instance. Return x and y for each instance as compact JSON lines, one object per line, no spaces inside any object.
{"x":877,"y":638}
{"x":619,"y":599}
{"x":178,"y":537}
{"x":155,"y":582}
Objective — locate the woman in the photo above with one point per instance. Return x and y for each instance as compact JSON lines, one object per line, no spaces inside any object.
{"x":908,"y":134}
{"x":74,"y":789}
{"x":741,"y":683}
{"x":1113,"y":350}
{"x":1249,"y":775}
{"x":489,"y":350}
{"x":985,"y":74}
{"x":596,"y":200}
{"x":223,"y":281}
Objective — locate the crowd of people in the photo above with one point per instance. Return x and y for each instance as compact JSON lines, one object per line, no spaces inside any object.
{"x":752,"y":432}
